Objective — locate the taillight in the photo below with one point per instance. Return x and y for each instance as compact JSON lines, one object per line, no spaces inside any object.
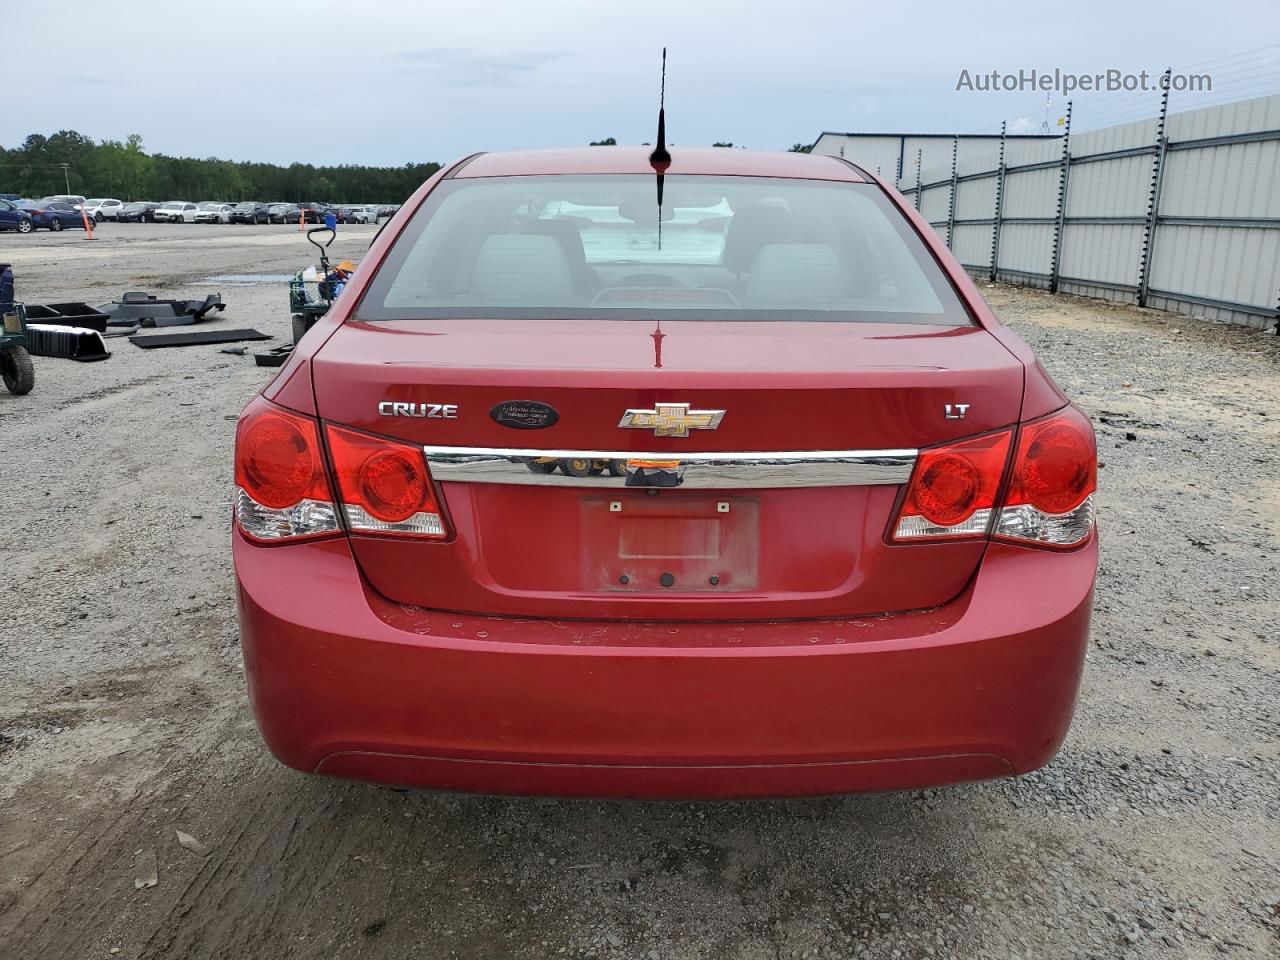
{"x":384,"y":486}
{"x":1055,"y":473}
{"x":953,"y":488}
{"x":282,"y":492}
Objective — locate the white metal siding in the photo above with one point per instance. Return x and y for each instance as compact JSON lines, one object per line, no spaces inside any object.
{"x":1106,"y":253}
{"x":972,"y":244}
{"x":1221,"y":263}
{"x":877,"y":154}
{"x":976,"y":199}
{"x":1234,"y":261}
{"x":1026,"y":247}
{"x":1033,"y":193}
{"x":1109,"y":188}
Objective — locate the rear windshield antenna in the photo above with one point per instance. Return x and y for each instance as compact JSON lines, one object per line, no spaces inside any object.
{"x":660,"y":158}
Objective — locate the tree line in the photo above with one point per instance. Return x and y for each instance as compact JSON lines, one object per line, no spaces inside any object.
{"x":69,"y":162}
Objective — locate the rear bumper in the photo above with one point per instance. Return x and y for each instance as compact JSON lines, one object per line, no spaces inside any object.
{"x":345,"y":683}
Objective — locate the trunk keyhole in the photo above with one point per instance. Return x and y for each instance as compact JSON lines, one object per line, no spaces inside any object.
{"x":666,"y":579}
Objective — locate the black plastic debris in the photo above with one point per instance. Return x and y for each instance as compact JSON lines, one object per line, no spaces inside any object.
{"x":137,"y":307}
{"x":67,"y":343}
{"x":197,"y":338}
{"x":122,"y":331}
{"x":67,"y":315}
{"x":274,"y":357}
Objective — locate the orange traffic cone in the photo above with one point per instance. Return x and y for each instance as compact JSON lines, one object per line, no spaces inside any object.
{"x":302,"y":220}
{"x":88,"y":227}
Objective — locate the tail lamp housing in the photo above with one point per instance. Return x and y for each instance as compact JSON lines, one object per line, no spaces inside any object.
{"x":384,"y":486}
{"x":1052,"y":482}
{"x":955,"y":489}
{"x":287,"y":491}
{"x":282,"y":486}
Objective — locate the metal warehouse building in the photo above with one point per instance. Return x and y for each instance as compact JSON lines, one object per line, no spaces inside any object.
{"x":893,"y":155}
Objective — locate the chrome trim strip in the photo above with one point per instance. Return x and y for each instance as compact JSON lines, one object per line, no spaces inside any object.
{"x":698,"y":471}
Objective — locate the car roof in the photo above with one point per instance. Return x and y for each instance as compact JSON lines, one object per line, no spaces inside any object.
{"x":724,"y":161}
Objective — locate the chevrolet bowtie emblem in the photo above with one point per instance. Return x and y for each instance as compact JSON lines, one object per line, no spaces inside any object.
{"x":671,"y":419}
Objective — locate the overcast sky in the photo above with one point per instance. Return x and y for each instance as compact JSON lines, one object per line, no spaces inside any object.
{"x":386,"y":82}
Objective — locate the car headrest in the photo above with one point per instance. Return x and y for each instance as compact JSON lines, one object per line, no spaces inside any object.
{"x":525,"y":267}
{"x":566,"y":234}
{"x":798,"y":276}
{"x":751,"y":229}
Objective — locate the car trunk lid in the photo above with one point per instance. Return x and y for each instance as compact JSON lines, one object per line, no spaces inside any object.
{"x":556,"y":545}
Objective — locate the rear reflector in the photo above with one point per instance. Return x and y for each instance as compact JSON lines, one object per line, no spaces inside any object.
{"x":282,"y":492}
{"x":384,"y":486}
{"x":953,"y":488}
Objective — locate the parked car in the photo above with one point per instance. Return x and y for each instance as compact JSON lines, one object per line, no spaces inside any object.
{"x":250,"y":211}
{"x":13,"y":217}
{"x":360,"y":214}
{"x":176,"y":211}
{"x":211,"y":212}
{"x":283,"y":212}
{"x":74,"y":199}
{"x":313,"y":212}
{"x":139,"y":211}
{"x":100,"y":209}
{"x":55,"y":214}
{"x":459,"y":566}
{"x":52,"y":214}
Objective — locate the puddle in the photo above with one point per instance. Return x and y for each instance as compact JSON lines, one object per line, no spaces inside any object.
{"x":244,"y":279}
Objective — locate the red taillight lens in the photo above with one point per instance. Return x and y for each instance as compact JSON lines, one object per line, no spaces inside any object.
{"x":282,"y":491}
{"x":1055,"y":473}
{"x":392,"y":485}
{"x":947,"y":489}
{"x":953,"y":489}
{"x":384,"y":485}
{"x":278,"y":461}
{"x":1057,"y":463}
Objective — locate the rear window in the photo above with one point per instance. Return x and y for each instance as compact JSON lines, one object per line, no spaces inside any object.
{"x":723,"y":248}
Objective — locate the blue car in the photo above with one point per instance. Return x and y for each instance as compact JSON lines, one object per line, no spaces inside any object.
{"x":13,"y":217}
{"x":53,"y":214}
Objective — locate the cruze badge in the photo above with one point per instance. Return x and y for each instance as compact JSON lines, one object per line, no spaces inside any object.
{"x":434,"y":411}
{"x":671,"y":419}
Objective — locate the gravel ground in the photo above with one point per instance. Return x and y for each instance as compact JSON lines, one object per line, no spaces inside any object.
{"x":123,"y":718}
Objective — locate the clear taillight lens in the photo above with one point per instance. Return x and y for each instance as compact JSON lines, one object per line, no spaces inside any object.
{"x":384,"y":486}
{"x":282,"y":492}
{"x":953,"y":488}
{"x":1055,"y":474}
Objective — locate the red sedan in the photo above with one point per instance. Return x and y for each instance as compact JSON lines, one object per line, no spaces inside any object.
{"x":720,"y":483}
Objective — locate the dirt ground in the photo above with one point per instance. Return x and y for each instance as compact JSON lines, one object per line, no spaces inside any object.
{"x":123,"y":719}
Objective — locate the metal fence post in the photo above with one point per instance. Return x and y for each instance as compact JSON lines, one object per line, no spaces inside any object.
{"x":1153,"y":199}
{"x":951,"y":205}
{"x":1063,"y":180}
{"x":995,"y":227}
{"x":919,"y":159}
